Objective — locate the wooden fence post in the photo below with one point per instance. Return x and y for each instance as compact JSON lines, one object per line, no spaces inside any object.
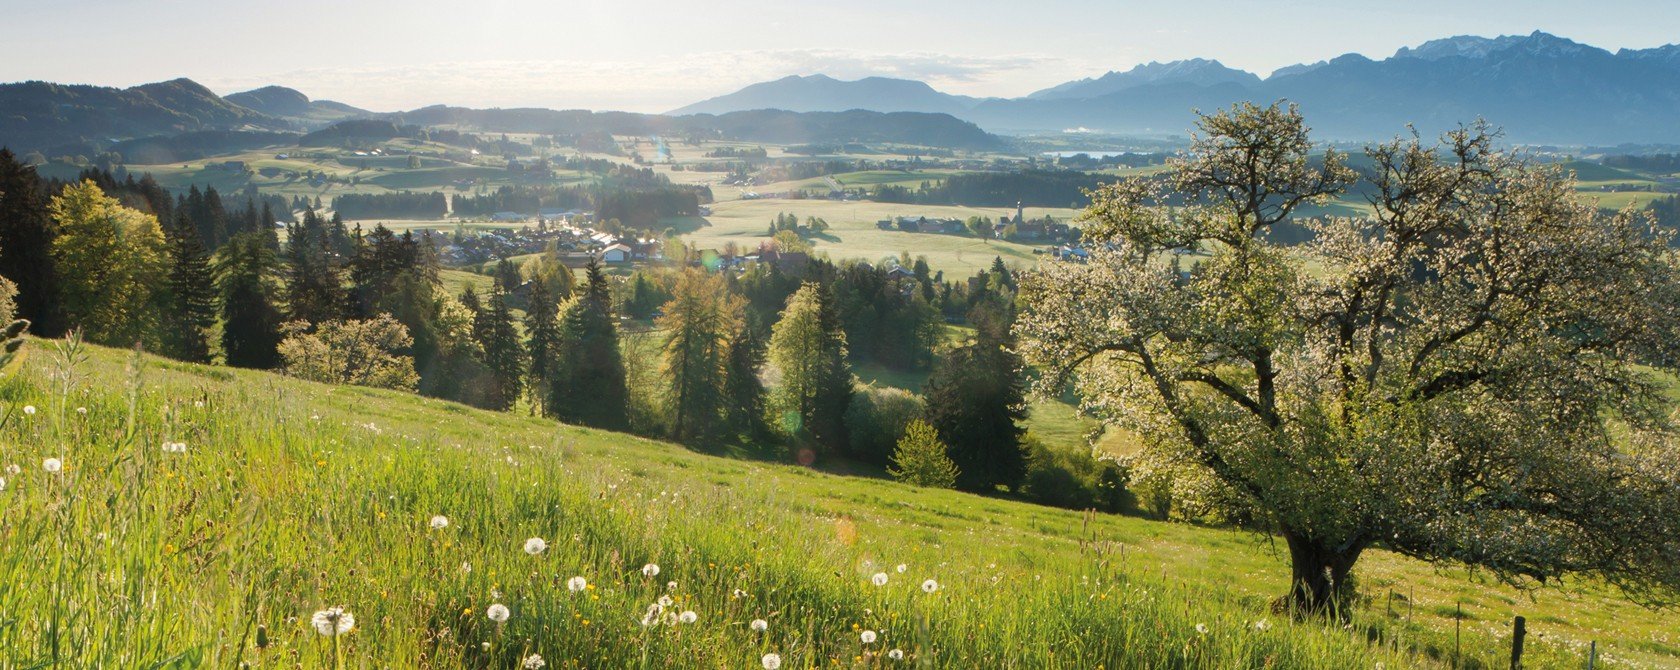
{"x":1592,"y":655}
{"x":1519,"y":629}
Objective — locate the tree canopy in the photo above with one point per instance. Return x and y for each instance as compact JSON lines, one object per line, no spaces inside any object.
{"x":1468,"y":375}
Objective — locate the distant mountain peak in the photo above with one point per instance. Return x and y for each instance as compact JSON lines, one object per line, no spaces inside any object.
{"x":822,"y":93}
{"x":1475,"y":47}
{"x":1194,"y":71}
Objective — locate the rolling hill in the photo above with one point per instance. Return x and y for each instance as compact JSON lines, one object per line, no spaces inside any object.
{"x":293,"y":104}
{"x":64,"y":118}
{"x":197,"y":516}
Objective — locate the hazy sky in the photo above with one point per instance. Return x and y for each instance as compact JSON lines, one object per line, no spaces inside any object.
{"x":654,"y":55}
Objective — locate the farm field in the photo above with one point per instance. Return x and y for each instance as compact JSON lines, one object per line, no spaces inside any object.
{"x":853,"y":234}
{"x":290,"y":497}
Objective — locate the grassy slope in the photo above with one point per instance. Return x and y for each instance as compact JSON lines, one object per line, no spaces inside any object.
{"x":294,"y":496}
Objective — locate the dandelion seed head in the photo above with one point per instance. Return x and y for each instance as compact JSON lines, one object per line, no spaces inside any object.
{"x":82,"y":411}
{"x":1262,"y":624}
{"x":759,"y":625}
{"x":13,"y":469}
{"x":1201,"y":628}
{"x":880,"y":579}
{"x":535,"y":546}
{"x":867,"y":636}
{"x":650,"y":570}
{"x":576,"y":584}
{"x":771,"y":661}
{"x":665,"y":601}
{"x":896,"y":654}
{"x":901,"y":568}
{"x":29,"y":410}
{"x":333,"y":621}
{"x":533,"y":662}
{"x":52,"y":465}
{"x":930,"y":586}
{"x":688,"y":616}
{"x":440,"y":522}
{"x":497,"y":613}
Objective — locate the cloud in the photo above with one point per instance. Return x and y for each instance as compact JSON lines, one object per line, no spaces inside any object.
{"x":654,"y":85}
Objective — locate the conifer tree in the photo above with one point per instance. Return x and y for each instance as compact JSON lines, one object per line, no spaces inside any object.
{"x":743,"y":389}
{"x":975,"y":398}
{"x":190,"y":300}
{"x":251,"y":330}
{"x":808,"y":347}
{"x":504,"y":358}
{"x":26,"y":238}
{"x":314,"y":276}
{"x":589,"y":385}
{"x":700,"y":318}
{"x":542,"y":330}
{"x":920,"y":458}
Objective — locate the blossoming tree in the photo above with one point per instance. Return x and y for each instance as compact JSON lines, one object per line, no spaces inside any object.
{"x":1469,"y":374}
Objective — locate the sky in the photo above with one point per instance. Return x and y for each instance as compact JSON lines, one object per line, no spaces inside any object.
{"x":656,"y":55}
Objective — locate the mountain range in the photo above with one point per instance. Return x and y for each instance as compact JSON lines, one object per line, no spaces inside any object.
{"x":182,"y":120}
{"x":1539,"y":88}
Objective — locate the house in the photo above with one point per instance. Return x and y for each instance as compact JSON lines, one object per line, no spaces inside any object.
{"x":617,"y":253}
{"x":899,"y":272}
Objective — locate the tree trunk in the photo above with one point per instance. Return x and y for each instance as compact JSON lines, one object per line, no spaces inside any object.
{"x":1320,"y":583}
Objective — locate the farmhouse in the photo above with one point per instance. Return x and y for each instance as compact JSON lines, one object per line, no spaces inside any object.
{"x":617,"y":253}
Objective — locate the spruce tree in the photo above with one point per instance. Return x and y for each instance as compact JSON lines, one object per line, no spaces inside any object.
{"x":743,"y":390}
{"x":26,"y":240}
{"x":189,"y":308}
{"x":589,"y":385}
{"x":542,"y":328}
{"x":920,"y":458}
{"x":251,"y":330}
{"x":314,"y":279}
{"x":975,"y":398}
{"x":504,"y":358}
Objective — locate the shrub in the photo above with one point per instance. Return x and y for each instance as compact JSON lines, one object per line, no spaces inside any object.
{"x":876,"y":419}
{"x":363,"y":353}
{"x":1073,"y":479}
{"x":920,"y":458}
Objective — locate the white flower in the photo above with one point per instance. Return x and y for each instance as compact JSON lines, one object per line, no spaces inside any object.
{"x":29,"y":409}
{"x":533,"y":662}
{"x":13,"y":469}
{"x":576,"y":584}
{"x":652,"y":615}
{"x":880,"y":579}
{"x":333,"y":621}
{"x":2,"y":483}
{"x":688,"y":616}
{"x":896,"y":654}
{"x":535,"y":546}
{"x":759,"y":625}
{"x":466,"y":567}
{"x":1201,"y":628}
{"x":867,"y":636}
{"x":650,"y":570}
{"x":440,"y":522}
{"x":771,"y":661}
{"x":82,"y":411}
{"x":665,"y":601}
{"x":497,"y":613}
{"x":930,"y":586}
{"x":670,"y":586}
{"x":1262,"y":624}
{"x":198,"y":403}
{"x":175,"y":447}
{"x":902,"y":567}
{"x":738,"y":594}
{"x":52,"y":465}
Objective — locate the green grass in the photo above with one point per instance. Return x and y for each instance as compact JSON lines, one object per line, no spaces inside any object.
{"x":294,"y":496}
{"x":853,"y":234}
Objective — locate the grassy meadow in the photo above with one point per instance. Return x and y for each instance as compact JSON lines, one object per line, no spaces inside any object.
{"x":288,"y":497}
{"x":852,"y":233}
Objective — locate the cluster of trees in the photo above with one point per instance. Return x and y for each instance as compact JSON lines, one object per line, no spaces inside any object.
{"x":640,"y":206}
{"x":398,"y":205}
{"x":1033,"y":188}
{"x":737,"y":152}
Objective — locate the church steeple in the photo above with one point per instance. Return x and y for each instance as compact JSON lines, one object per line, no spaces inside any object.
{"x":1020,"y":218}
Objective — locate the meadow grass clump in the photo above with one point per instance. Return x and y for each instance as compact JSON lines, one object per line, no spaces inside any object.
{"x":320,"y":526}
